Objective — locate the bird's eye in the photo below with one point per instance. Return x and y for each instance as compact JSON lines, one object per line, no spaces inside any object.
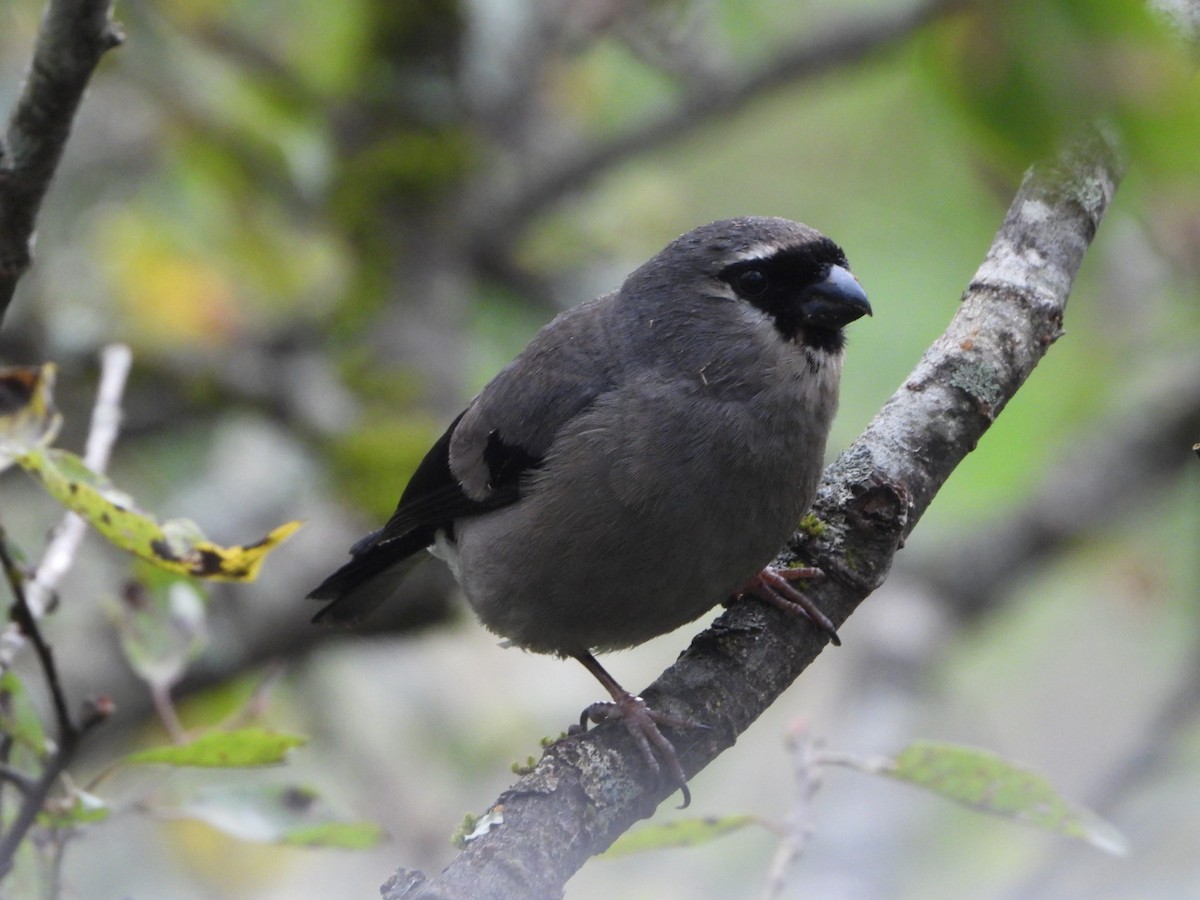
{"x":752,"y":282}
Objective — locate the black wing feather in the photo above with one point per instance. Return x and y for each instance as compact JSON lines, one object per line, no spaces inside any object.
{"x":503,"y":435}
{"x":431,"y":501}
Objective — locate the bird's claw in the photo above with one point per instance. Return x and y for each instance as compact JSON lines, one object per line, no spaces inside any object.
{"x":774,"y":586}
{"x":642,"y":723}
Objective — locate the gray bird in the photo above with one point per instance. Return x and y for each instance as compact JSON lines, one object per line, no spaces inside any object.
{"x":643,"y":459}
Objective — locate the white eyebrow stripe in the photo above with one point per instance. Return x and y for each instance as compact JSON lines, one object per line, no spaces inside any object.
{"x":758,"y":251}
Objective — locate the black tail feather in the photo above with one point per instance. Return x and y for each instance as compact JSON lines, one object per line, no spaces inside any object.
{"x":368,"y":579}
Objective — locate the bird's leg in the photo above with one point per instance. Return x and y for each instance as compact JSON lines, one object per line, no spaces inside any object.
{"x":772,"y":585}
{"x":641,"y":720}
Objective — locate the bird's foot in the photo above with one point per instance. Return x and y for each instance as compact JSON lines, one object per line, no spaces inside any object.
{"x":773,"y":585}
{"x":643,"y":722}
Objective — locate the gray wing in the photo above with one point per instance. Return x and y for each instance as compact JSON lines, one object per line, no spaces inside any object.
{"x":478,"y":464}
{"x":508,"y":429}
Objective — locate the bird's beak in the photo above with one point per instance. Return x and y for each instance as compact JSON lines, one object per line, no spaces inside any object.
{"x":836,"y":301}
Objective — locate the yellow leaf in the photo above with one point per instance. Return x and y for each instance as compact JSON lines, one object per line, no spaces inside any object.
{"x":176,"y":545}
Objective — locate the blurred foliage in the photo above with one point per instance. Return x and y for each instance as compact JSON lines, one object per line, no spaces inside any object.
{"x":296,"y":212}
{"x":19,"y":718}
{"x":678,"y":833}
{"x":1028,"y":74}
{"x":984,"y":781}
{"x":162,"y":627}
{"x":382,"y":453}
{"x":221,"y":749}
{"x":161,"y":623}
{"x":280,"y":814}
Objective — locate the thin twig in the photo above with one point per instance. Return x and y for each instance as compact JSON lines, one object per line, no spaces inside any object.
{"x":69,"y":735}
{"x":24,"y":619}
{"x":799,"y":826}
{"x":35,"y":797}
{"x":496,"y":224}
{"x":161,"y":694}
{"x":105,"y":424}
{"x":54,"y":865}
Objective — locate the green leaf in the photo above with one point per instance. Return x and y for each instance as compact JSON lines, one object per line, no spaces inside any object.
{"x":345,"y":835}
{"x":224,"y":749}
{"x":681,"y":833}
{"x":83,"y":808}
{"x":989,"y":783}
{"x":18,"y":718}
{"x":1029,"y":73}
{"x":282,"y":814}
{"x":176,"y":545}
{"x":162,"y":628}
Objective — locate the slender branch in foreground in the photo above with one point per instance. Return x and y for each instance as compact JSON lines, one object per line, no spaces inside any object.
{"x":802,"y":748}
{"x":35,"y":792}
{"x":29,"y":607}
{"x":24,"y":619}
{"x":34,"y":799}
{"x":74,"y":34}
{"x":588,"y":789}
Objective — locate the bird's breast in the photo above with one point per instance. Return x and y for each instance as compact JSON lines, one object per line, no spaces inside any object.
{"x":654,"y":505}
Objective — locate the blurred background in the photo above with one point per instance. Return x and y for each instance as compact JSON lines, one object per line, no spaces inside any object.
{"x":323,"y":226}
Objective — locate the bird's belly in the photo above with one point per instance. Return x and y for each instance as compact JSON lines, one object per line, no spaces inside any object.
{"x":586,"y":566}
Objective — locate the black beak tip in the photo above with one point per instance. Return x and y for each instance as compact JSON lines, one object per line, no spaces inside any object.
{"x":837,"y":300}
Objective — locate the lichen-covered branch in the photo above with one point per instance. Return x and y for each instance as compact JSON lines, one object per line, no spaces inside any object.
{"x":588,"y":789}
{"x":74,"y":34}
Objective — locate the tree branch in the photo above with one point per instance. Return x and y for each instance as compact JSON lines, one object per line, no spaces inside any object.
{"x":588,"y":789}
{"x":74,"y":34}
{"x":847,"y":45}
{"x":1119,"y":461}
{"x":1116,"y":464}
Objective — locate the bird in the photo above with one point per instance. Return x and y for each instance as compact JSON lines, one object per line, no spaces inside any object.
{"x":641,"y":461}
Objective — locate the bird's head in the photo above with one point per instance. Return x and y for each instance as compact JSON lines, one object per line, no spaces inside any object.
{"x":787,"y":271}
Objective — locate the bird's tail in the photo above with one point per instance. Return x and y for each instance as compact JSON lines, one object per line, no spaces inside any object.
{"x":369,"y":580}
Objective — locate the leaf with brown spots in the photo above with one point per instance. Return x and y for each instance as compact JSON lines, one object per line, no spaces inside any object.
{"x":176,"y":545}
